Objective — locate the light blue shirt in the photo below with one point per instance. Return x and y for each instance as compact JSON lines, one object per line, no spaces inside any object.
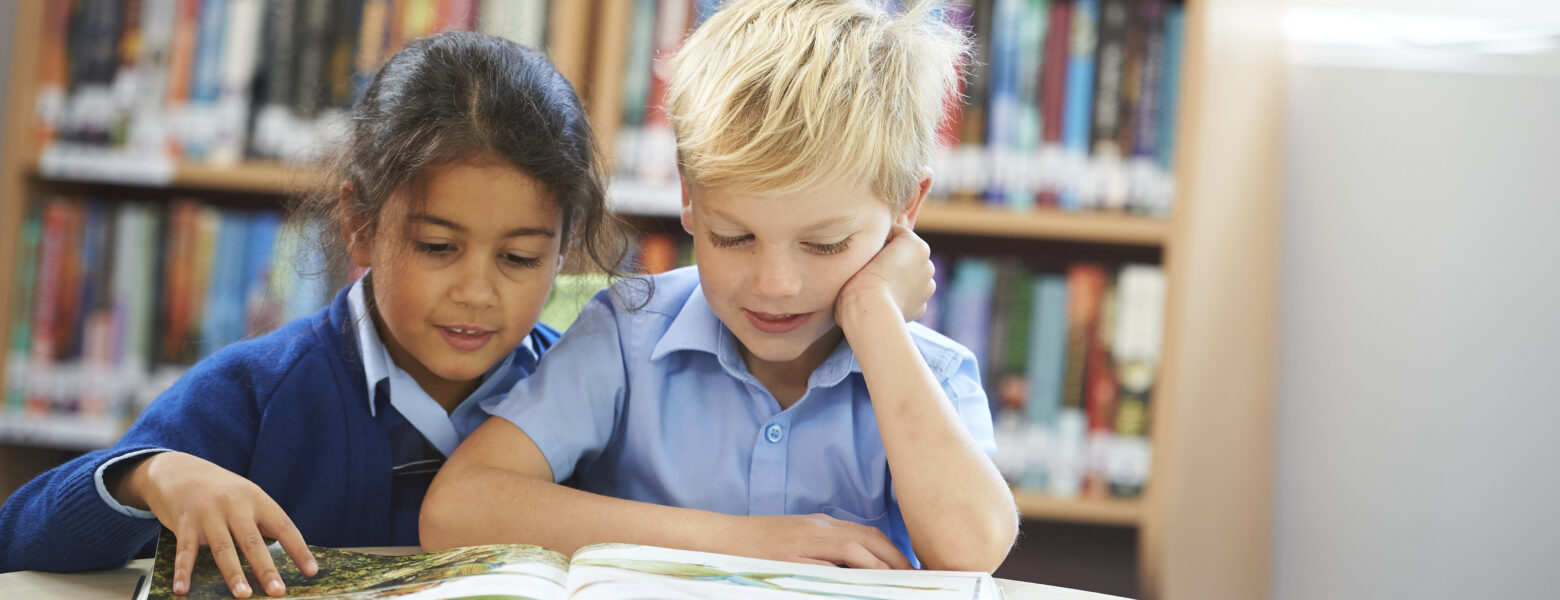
{"x":656,"y":405}
{"x":443,"y":431}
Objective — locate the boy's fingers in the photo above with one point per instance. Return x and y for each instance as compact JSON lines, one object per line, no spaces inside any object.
{"x":857,"y":556}
{"x":259,"y":556}
{"x":278,"y":526}
{"x":184,"y":557}
{"x":221,"y":542}
{"x":878,"y":544}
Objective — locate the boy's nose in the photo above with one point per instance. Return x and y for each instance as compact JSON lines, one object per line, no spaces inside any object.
{"x":776,"y":277}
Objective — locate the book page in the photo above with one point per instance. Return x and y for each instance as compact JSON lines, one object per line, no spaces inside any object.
{"x":495,"y":572}
{"x":620,"y":571}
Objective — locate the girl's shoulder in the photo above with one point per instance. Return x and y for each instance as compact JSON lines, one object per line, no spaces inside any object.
{"x":306,"y":354}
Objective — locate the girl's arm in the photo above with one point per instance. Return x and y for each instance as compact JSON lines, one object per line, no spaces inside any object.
{"x":498,"y":488}
{"x":958,"y":510}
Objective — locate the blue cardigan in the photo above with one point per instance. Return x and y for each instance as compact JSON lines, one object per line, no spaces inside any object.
{"x":287,"y":410}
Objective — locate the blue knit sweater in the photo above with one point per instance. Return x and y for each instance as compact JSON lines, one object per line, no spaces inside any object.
{"x":287,"y":410}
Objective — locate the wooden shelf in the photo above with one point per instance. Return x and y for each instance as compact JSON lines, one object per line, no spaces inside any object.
{"x":1102,"y":228}
{"x":256,"y":177}
{"x":1043,"y":507}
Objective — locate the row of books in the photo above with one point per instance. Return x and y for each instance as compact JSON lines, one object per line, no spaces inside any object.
{"x":216,"y":81}
{"x":1069,"y":361}
{"x":114,"y":299}
{"x":1068,"y":104}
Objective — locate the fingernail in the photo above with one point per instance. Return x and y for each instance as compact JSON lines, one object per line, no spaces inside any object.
{"x":181,"y":588}
{"x":241,"y":589}
{"x":314,"y":567}
{"x":274,"y":587}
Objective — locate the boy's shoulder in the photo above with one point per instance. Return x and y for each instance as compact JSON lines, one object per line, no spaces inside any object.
{"x":942,"y":354}
{"x":659,"y":295}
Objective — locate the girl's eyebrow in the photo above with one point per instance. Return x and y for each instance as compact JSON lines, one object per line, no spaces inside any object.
{"x":516,"y":232}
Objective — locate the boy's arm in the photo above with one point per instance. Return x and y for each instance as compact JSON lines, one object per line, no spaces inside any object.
{"x":959,"y":512}
{"x":498,"y":488}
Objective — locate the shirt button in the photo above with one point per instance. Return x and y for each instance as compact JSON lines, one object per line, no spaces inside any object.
{"x":773,"y":434}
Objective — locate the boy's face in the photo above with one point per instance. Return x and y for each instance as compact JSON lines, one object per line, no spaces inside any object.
{"x":460,"y":275}
{"x":772,"y":266}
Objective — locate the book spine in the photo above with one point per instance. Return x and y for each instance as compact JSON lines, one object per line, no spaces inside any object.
{"x":148,"y":130}
{"x":53,"y":73}
{"x":1053,"y":86}
{"x":1045,"y":370}
{"x":181,"y":68}
{"x":125,"y":76}
{"x":1170,"y":85}
{"x":1078,"y":109}
{"x":273,"y":120}
{"x":240,"y":57}
{"x":29,"y":256}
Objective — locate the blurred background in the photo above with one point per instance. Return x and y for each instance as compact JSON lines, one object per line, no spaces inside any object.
{"x":1263,"y":290}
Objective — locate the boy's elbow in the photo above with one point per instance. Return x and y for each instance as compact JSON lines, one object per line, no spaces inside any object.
{"x":981,"y":547}
{"x":438,"y":522}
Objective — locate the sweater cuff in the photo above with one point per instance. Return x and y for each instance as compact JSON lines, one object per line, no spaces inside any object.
{"x":102,"y":490}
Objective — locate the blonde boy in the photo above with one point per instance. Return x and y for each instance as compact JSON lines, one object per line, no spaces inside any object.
{"x":773,"y":402}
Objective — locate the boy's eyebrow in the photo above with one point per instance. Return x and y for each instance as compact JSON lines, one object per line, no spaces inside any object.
{"x":829,"y":222}
{"x":516,"y":232}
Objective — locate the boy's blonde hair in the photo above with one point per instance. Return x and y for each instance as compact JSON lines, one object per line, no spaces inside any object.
{"x":779,"y":95}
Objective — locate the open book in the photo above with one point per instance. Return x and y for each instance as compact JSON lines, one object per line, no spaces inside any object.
{"x":602,"y":572}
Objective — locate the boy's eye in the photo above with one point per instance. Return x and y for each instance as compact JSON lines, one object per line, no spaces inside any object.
{"x":521,"y":261}
{"x":434,"y":248}
{"x":834,"y":248}
{"x":721,"y":241}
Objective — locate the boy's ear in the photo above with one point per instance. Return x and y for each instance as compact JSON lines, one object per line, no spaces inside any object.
{"x":686,"y":216}
{"x":913,"y":207}
{"x":351,"y":225}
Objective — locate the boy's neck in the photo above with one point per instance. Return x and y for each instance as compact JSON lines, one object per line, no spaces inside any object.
{"x":787,"y":381}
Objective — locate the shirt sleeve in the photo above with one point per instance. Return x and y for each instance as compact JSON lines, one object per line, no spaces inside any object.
{"x":570,"y":405}
{"x":968,"y":396}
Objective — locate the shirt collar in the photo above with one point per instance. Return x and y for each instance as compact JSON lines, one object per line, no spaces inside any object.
{"x":697,"y":328}
{"x":378,"y":365}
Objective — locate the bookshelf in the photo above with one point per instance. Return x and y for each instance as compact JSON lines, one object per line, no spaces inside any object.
{"x":1203,"y":521}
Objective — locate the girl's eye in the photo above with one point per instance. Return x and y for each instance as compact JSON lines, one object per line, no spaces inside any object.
{"x":434,"y":248}
{"x":834,"y":248}
{"x":521,"y":261}
{"x":721,"y":241}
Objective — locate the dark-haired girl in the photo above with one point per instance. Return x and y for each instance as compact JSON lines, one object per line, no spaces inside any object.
{"x":469,"y":172}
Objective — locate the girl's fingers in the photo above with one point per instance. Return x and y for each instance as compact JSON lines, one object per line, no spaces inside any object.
{"x":259,"y":556}
{"x":276,"y":524}
{"x":188,"y":546}
{"x":226,"y":556}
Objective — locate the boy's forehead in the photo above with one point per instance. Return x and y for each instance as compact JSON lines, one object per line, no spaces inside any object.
{"x":814,"y":207}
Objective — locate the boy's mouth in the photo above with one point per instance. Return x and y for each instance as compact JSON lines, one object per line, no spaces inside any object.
{"x":775,"y":324}
{"x":465,"y":338}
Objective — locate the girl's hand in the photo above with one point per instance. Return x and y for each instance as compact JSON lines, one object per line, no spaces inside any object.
{"x":817,"y":539}
{"x":204,"y":504}
{"x":901,"y":272}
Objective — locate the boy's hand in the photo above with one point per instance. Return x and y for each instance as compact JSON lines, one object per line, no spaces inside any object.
{"x":204,"y":504}
{"x":902,"y":272}
{"x":817,"y":539}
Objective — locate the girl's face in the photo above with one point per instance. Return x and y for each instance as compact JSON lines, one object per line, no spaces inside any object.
{"x":461,"y":272}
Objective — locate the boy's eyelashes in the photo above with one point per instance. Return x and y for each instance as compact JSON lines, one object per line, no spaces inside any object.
{"x":720,"y":241}
{"x":444,"y":249}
